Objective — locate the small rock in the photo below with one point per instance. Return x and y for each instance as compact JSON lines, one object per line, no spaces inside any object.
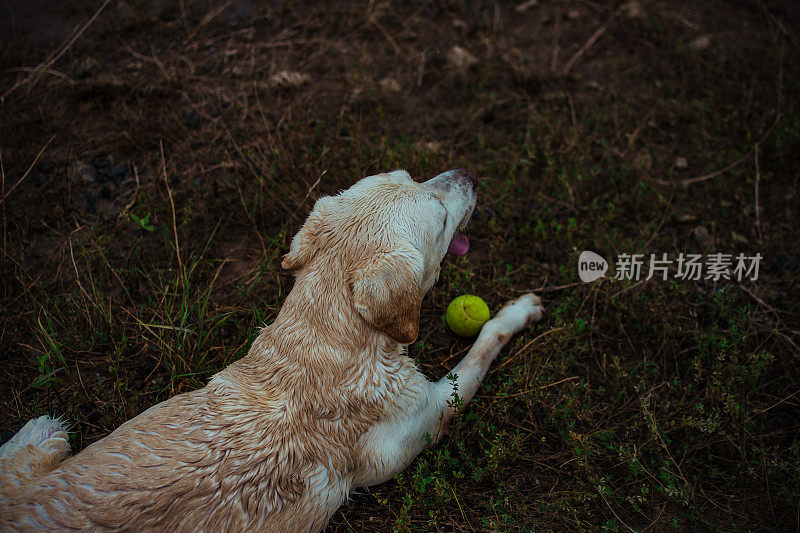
{"x":88,"y":67}
{"x":701,"y":43}
{"x":289,"y":79}
{"x":574,"y":14}
{"x":390,"y":84}
{"x":525,"y":6}
{"x":429,"y":146}
{"x":633,"y":10}
{"x":681,"y":162}
{"x":685,"y":217}
{"x":461,"y":58}
{"x":702,"y":235}
{"x":85,"y":172}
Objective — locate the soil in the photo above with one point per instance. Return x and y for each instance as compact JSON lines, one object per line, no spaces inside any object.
{"x":157,"y":157}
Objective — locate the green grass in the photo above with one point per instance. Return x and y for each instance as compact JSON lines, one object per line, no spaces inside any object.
{"x":663,"y":405}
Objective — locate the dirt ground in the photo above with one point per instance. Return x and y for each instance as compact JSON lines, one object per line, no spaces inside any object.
{"x":157,"y":157}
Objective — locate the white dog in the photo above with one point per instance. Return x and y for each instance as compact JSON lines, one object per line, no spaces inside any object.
{"x":325,"y":400}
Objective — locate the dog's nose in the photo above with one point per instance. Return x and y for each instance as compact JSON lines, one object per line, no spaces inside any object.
{"x":462,"y":173}
{"x":449,"y":178}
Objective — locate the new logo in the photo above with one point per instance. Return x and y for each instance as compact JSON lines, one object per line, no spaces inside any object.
{"x":591,"y":266}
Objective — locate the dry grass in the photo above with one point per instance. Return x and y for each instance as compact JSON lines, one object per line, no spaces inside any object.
{"x":603,"y":126}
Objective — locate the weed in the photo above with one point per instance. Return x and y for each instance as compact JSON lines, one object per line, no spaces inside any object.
{"x":664,"y":405}
{"x":143,"y":222}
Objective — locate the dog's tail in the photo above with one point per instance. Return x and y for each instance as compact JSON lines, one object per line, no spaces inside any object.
{"x":36,"y":449}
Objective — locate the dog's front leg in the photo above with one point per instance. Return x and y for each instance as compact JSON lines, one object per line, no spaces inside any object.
{"x":515,"y":316}
{"x":392,"y":444}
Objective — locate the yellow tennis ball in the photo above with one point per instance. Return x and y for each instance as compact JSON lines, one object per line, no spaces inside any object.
{"x":467,"y":314}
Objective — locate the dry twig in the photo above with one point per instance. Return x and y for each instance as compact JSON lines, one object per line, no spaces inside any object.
{"x":211,"y":15}
{"x":35,"y":159}
{"x":172,"y":205}
{"x":588,"y":44}
{"x":726,"y":168}
{"x":44,"y":67}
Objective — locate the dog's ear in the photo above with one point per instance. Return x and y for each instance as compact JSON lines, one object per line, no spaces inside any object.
{"x":306,"y":243}
{"x":387,"y":293}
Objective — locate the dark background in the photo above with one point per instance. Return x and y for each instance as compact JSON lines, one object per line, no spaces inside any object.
{"x":638,"y":127}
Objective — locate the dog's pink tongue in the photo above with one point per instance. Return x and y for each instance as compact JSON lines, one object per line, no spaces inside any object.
{"x":459,"y":246}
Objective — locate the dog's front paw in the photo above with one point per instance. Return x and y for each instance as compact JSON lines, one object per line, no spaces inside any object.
{"x":519,"y":313}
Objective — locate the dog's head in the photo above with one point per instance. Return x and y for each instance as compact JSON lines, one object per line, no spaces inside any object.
{"x":388,"y":234}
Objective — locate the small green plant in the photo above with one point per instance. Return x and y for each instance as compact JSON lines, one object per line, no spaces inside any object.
{"x":143,"y":222}
{"x":51,"y":360}
{"x":457,"y":401}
